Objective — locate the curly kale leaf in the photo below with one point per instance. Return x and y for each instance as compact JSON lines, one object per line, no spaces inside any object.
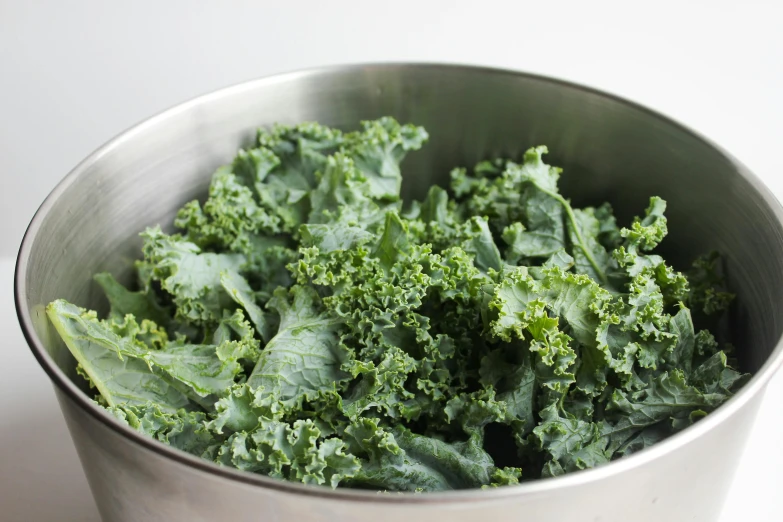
{"x":401,"y":460}
{"x":190,"y":276}
{"x":303,"y":326}
{"x":304,"y":356}
{"x":184,"y":430}
{"x":112,"y":363}
{"x":143,"y":304}
{"x":707,"y":287}
{"x":378,"y":150}
{"x":289,"y":451}
{"x":229,"y":217}
{"x":238,"y":288}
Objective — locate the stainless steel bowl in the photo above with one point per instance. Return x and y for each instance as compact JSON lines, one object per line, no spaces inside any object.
{"x":610,"y":148}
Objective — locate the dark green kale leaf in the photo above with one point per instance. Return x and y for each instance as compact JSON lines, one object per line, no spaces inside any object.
{"x":303,"y":326}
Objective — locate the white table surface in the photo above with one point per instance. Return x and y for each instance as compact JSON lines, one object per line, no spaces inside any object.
{"x":73,"y":74}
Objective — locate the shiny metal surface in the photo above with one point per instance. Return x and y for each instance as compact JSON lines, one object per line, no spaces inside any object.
{"x":609,"y":148}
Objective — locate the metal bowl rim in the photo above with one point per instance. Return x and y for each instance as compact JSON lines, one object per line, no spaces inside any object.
{"x":754,"y":386}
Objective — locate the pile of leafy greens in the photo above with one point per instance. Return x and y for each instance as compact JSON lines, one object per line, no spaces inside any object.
{"x":304,"y":326}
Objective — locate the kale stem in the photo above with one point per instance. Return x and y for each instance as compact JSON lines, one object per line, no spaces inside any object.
{"x":577,"y":232}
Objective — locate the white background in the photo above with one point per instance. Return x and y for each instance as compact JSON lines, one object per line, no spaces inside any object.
{"x":75,"y":73}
